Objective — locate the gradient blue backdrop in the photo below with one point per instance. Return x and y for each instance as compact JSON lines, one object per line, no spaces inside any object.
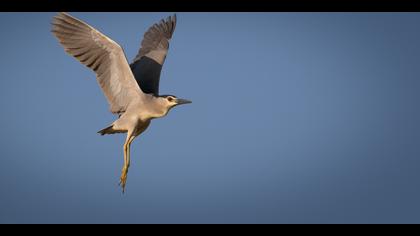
{"x":296,"y":118}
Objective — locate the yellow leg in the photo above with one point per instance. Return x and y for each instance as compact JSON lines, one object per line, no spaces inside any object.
{"x":123,"y":178}
{"x":124,"y":172}
{"x":130,"y":140}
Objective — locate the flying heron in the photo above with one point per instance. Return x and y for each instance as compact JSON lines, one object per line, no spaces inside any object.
{"x":132,"y":90}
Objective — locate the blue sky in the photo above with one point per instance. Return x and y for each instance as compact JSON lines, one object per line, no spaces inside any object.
{"x":296,"y":118}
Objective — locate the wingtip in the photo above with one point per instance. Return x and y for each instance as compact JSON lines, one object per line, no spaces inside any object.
{"x":173,"y":22}
{"x":60,"y":15}
{"x":63,"y":15}
{"x":171,"y":18}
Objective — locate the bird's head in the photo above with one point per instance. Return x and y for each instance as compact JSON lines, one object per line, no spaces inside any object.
{"x":170,"y":101}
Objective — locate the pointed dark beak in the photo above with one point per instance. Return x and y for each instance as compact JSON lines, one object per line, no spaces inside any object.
{"x":180,"y":101}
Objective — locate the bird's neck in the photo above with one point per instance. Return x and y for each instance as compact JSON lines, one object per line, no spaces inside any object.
{"x":157,"y":108}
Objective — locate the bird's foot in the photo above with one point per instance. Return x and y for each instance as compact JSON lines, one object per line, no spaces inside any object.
{"x":123,"y":178}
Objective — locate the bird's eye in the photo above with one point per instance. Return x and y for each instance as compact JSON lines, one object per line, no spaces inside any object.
{"x":170,"y":99}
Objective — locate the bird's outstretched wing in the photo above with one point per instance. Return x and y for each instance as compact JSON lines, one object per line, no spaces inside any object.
{"x":148,"y":63}
{"x":102,"y":55}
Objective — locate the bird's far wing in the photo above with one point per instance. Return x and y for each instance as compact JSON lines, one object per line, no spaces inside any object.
{"x":102,"y":55}
{"x":148,"y":63}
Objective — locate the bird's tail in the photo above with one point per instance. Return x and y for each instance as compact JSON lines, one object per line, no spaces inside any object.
{"x":107,"y":130}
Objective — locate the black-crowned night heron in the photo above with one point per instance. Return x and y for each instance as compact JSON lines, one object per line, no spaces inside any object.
{"x":132,"y":90}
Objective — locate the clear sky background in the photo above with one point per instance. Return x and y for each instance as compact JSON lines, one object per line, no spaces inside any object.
{"x":296,"y":118}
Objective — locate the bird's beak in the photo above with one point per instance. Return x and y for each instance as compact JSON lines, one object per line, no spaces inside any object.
{"x":180,"y":101}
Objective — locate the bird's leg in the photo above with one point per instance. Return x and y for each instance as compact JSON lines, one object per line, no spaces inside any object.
{"x":128,"y":150}
{"x":123,"y":178}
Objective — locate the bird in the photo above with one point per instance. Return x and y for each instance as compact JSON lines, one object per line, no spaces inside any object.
{"x":132,"y":90}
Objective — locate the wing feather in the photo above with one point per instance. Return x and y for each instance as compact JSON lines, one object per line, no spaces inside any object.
{"x":149,"y":60}
{"x":101,"y":54}
{"x":155,"y":43}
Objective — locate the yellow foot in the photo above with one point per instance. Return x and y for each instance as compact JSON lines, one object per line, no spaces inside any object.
{"x":123,"y":178}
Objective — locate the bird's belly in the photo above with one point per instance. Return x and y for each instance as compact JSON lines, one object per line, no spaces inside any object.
{"x":131,"y":122}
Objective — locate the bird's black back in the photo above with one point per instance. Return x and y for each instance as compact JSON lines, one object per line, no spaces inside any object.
{"x":147,"y":74}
